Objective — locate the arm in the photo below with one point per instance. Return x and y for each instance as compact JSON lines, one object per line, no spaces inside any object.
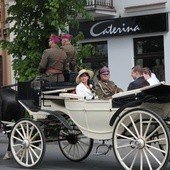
{"x":131,"y":86}
{"x":43,"y":63}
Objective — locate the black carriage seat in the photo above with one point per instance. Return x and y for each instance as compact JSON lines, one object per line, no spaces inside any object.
{"x":152,"y":94}
{"x":123,"y":100}
{"x":57,"y":85}
{"x":30,"y":94}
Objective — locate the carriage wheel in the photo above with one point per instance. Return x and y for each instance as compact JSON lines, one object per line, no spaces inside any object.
{"x":141,"y":140}
{"x":73,"y":144}
{"x":27,"y":143}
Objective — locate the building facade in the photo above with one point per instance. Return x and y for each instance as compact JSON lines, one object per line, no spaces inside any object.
{"x":126,"y":33}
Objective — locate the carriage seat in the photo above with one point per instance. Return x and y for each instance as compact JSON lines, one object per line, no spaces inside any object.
{"x":31,"y":105}
{"x":57,"y":85}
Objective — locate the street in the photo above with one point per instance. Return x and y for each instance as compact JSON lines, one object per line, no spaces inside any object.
{"x":55,"y":160}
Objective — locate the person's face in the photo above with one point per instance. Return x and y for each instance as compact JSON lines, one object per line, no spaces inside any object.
{"x":145,"y":76}
{"x":63,"y":41}
{"x":50,"y":43}
{"x":134,"y":75}
{"x":84,"y":78}
{"x":104,"y":77}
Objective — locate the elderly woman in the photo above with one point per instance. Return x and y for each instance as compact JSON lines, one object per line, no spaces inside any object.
{"x":84,"y":87}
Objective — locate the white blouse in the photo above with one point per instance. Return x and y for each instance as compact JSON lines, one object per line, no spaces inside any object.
{"x":81,"y":89}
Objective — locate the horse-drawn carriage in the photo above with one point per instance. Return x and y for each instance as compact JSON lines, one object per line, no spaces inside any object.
{"x":137,"y":123}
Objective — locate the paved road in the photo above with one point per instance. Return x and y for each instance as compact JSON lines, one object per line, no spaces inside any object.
{"x":55,"y":160}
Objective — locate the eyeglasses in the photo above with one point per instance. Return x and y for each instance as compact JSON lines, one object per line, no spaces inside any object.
{"x":105,"y":74}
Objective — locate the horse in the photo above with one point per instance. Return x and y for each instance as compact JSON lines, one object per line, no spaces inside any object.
{"x":10,"y":110}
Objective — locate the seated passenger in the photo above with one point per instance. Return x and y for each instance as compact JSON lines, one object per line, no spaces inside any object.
{"x":106,"y":88}
{"x":148,"y":76}
{"x":83,"y":81}
{"x":139,"y":80}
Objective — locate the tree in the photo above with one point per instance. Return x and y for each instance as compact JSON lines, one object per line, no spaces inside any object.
{"x":33,"y":22}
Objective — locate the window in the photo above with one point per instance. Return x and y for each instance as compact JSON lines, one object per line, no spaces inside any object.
{"x":149,"y":52}
{"x":99,"y":58}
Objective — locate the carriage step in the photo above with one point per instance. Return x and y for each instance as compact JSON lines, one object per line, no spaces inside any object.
{"x":100,"y":153}
{"x":102,"y":149}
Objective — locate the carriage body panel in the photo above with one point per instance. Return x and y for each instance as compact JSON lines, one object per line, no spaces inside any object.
{"x":92,"y":117}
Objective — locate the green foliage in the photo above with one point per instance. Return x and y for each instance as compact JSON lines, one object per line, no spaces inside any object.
{"x":32,"y":23}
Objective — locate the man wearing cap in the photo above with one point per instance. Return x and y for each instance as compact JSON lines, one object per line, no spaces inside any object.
{"x":106,"y":88}
{"x":71,"y":54}
{"x":53,"y":61}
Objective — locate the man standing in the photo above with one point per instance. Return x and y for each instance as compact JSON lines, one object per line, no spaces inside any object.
{"x":53,"y":61}
{"x":71,"y":55}
{"x":139,"y":80}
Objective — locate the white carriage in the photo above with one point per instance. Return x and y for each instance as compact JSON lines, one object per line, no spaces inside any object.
{"x":137,"y":122}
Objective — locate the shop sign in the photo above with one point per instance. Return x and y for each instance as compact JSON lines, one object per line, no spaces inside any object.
{"x":124,"y":26}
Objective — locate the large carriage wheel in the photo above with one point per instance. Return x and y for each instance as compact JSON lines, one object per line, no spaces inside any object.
{"x":141,"y":140}
{"x":73,"y":144}
{"x":27,"y":143}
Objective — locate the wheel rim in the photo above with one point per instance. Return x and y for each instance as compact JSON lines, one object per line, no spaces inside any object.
{"x":138,"y":136}
{"x":74,"y":145}
{"x":27,"y":143}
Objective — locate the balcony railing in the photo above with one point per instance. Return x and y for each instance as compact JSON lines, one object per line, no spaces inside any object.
{"x":100,"y":3}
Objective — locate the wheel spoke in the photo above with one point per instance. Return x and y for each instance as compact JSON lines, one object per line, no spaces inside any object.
{"x":125,"y":137}
{"x":35,"y":154}
{"x":30,"y":154}
{"x":23,"y":131}
{"x":129,"y":153}
{"x":78,"y":150}
{"x":141,"y":126}
{"x":156,"y":140}
{"x":147,"y":159}
{"x":153,"y":156}
{"x":141,"y":159}
{"x":18,"y":139}
{"x":147,"y":128}
{"x":151,"y":134}
{"x":30,"y":134}
{"x":35,"y":135}
{"x":129,"y":130}
{"x":133,"y":123}
{"x":35,"y":147}
{"x":20,"y":133}
{"x":28,"y":147}
{"x":124,"y":146}
{"x":141,"y":140}
{"x":81,"y":147}
{"x":73,"y":144}
{"x":134,"y":159}
{"x":155,"y":148}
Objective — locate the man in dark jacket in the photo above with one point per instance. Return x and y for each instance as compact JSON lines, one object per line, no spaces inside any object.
{"x":139,"y":80}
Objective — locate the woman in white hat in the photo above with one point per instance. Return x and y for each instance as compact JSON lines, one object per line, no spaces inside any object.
{"x":83,"y":87}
